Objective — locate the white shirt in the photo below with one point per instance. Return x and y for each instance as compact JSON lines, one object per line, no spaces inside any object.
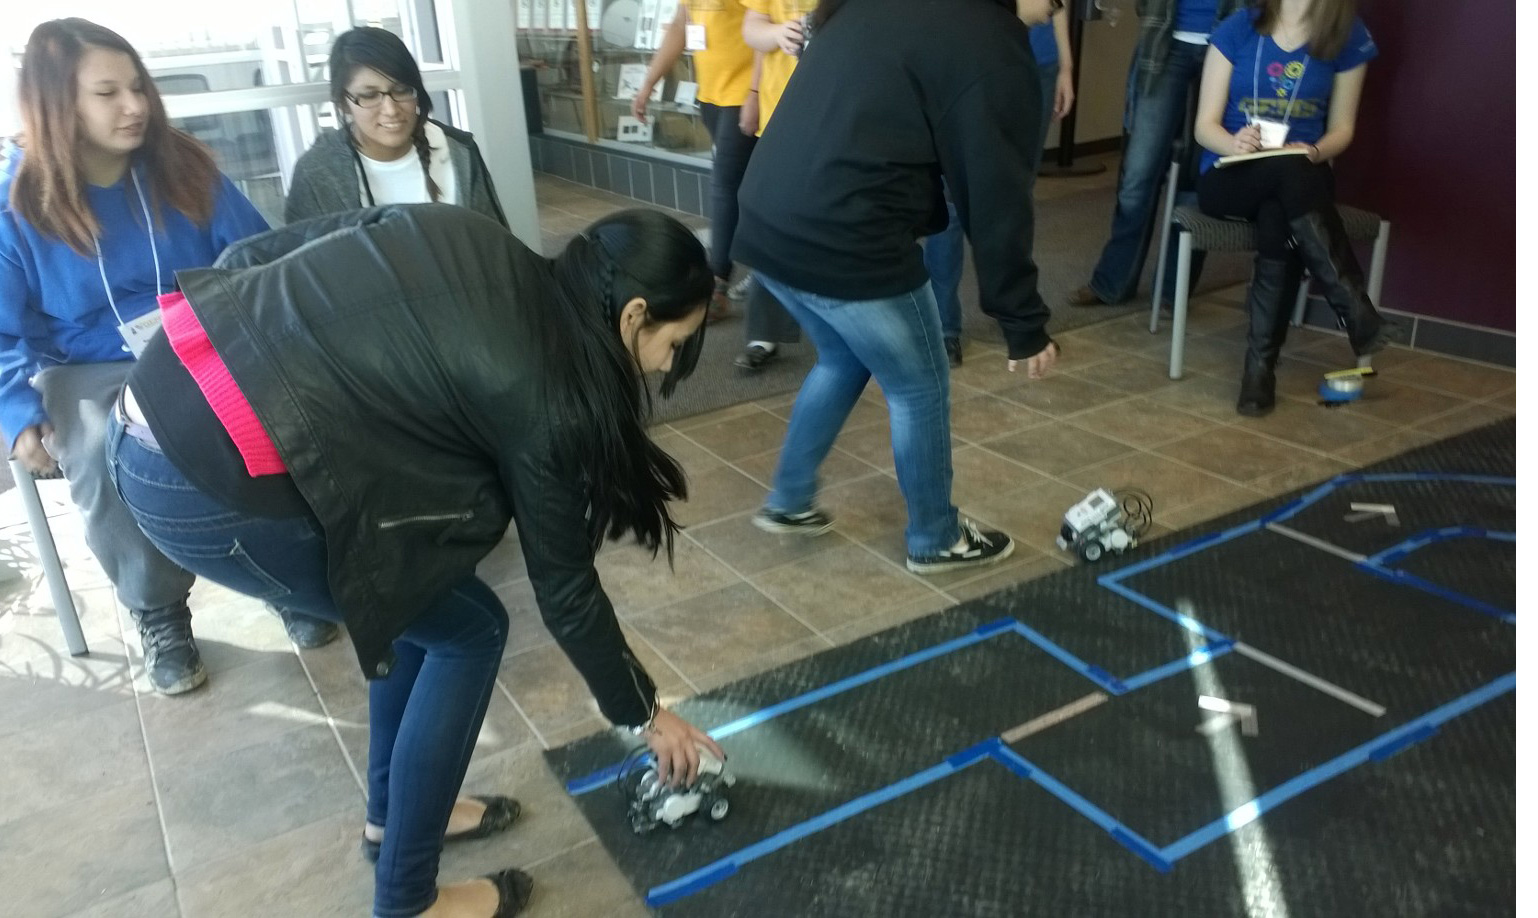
{"x":401,"y":181}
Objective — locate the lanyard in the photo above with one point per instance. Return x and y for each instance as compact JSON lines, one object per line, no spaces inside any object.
{"x":149,"y":227}
{"x":1260,"y":46}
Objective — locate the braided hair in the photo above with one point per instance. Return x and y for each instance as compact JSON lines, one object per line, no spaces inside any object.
{"x":381,"y":50}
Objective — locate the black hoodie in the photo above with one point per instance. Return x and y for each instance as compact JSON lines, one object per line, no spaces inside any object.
{"x":890,"y":95}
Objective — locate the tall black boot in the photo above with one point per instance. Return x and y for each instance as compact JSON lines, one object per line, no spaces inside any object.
{"x":1273,"y":288}
{"x":1325,"y":248}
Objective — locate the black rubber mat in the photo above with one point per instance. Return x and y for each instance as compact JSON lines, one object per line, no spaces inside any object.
{"x":1045,"y":750}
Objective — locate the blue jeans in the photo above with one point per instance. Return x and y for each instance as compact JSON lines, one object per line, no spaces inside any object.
{"x":1155,"y":119}
{"x":897,"y":340}
{"x":423,"y":717}
{"x":944,"y":250}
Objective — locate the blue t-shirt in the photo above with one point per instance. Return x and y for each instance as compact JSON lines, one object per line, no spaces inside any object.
{"x":53,"y":305}
{"x":1044,"y":44}
{"x":1267,"y":79}
{"x":1195,"y":15}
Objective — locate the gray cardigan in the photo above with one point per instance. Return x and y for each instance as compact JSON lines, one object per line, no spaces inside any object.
{"x":326,"y":178}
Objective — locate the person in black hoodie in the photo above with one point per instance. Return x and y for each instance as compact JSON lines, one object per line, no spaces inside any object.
{"x":888,"y":97}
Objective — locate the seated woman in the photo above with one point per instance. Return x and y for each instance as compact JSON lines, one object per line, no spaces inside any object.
{"x":345,"y":415}
{"x":1287,"y":73}
{"x":388,"y":151}
{"x":100,"y":202}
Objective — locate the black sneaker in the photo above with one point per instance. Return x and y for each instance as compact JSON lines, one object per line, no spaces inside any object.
{"x":170,"y":654}
{"x":306,"y":631}
{"x":982,"y":546}
{"x":811,"y":522}
{"x":953,"y":351}
{"x":754,"y":356}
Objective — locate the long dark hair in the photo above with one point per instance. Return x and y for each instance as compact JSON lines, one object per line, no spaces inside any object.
{"x":49,"y":190}
{"x":1329,"y":24}
{"x":596,"y":382}
{"x":381,"y":50}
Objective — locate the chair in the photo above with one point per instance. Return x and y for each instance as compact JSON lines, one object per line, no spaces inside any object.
{"x":48,"y":554}
{"x":1197,"y":230}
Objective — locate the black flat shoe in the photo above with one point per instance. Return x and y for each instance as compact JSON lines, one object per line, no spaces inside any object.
{"x":501,"y":812}
{"x":514,"y":887}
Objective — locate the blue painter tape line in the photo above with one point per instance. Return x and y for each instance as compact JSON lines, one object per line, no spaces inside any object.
{"x":721,"y":869}
{"x":601,"y":778}
{"x":1184,"y":621}
{"x":1175,"y":667}
{"x":1143,"y":850}
{"x":690,"y":884}
{"x":1200,"y":543}
{"x":1437,"y":476}
{"x":607,"y":775}
{"x":1093,"y":673}
{"x":971,"y":754}
{"x":1408,"y":579}
{"x":1392,"y":748}
{"x":992,"y":628}
{"x":1397,"y":553}
{"x":1342,"y":763}
{"x":1006,"y":756}
{"x":1068,"y":795}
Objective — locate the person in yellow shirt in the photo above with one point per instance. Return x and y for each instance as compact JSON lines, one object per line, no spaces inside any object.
{"x":723,"y":67}
{"x":776,"y":30}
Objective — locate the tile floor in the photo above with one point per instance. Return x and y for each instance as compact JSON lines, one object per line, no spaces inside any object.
{"x":245,"y":797}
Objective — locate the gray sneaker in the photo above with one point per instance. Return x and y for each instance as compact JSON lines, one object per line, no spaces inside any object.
{"x":980,"y":546}
{"x":809,"y":523}
{"x":170,"y":654}
{"x":739,"y":291}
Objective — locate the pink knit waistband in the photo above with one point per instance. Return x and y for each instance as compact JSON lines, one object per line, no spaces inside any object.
{"x":191,"y":344}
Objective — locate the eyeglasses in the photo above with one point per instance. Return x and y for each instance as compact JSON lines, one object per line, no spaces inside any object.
{"x":371,"y":98}
{"x":1056,"y":5}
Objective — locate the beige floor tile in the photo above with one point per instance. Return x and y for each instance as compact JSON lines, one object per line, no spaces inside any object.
{"x":29,"y":626}
{"x":1170,"y":484}
{"x":871,"y":444}
{"x":525,"y":627}
{"x":596,"y":723}
{"x":1235,"y":454}
{"x":978,"y":475}
{"x":1039,"y":565}
{"x":582,"y":883}
{"x":866,"y":411}
{"x":1142,"y":422}
{"x":553,"y":695}
{"x":336,"y":675}
{"x":986,"y":376}
{"x":1217,"y":501}
{"x":1134,"y":374}
{"x":240,"y":707}
{"x":983,"y":417}
{"x":836,"y":587}
{"x":505,"y":564}
{"x":1208,"y":396}
{"x":217,"y":805}
{"x":891,"y":618}
{"x":158,"y":899}
{"x":313,"y":870}
{"x":866,"y":508}
{"x":739,"y":437}
{"x":694,"y":459}
{"x":1399,"y":399}
{"x":838,"y":468}
{"x":1310,"y":472}
{"x":1505,"y":400}
{"x":635,"y":581}
{"x":1060,"y":395}
{"x":41,"y":685}
{"x":82,"y":853}
{"x":719,"y":493}
{"x":1214,"y":355}
{"x":1462,"y":420}
{"x":1055,"y":449}
{"x":1130,"y":333}
{"x":712,"y":418}
{"x":1470,"y":380}
{"x":749,"y":550}
{"x":1317,"y":427}
{"x":719,"y":630}
{"x":763,"y":662}
{"x":1083,"y":350}
{"x":1383,"y":447}
{"x":49,"y":766}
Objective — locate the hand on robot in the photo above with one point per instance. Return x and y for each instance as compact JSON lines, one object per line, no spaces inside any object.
{"x":675,"y":742}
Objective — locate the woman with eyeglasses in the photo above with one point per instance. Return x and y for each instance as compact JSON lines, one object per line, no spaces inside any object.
{"x":1285,"y":77}
{"x":345,"y":415}
{"x":389,"y":151}
{"x":101,"y":201}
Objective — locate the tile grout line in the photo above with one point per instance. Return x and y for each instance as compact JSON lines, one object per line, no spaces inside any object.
{"x":336,"y":733}
{"x":506,"y":693}
{"x":748,"y":581}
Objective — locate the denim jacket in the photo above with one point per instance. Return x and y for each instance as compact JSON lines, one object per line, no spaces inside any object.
{"x":1157,"y":26}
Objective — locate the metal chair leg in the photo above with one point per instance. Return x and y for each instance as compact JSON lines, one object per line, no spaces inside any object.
{"x":1182,"y":295}
{"x":1379,"y":264}
{"x":1168,"y":211}
{"x":48,"y":554}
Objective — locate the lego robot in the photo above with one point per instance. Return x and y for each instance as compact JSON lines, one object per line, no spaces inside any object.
{"x":652,"y":803}
{"x":1104,"y":522}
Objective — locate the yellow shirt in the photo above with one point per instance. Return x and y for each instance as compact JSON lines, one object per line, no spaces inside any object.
{"x":725,"y":68}
{"x":778,"y":66}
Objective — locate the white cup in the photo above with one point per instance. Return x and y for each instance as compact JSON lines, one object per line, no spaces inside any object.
{"x":1273,"y":134}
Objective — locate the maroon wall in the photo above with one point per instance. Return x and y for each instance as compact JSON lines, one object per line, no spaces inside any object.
{"x":1435,"y":153}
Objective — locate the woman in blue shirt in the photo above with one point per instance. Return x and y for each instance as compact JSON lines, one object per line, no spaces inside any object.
{"x":100,"y":204}
{"x":1286,"y":74}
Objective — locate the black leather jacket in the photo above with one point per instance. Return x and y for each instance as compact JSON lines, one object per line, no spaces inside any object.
{"x":393,"y":357}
